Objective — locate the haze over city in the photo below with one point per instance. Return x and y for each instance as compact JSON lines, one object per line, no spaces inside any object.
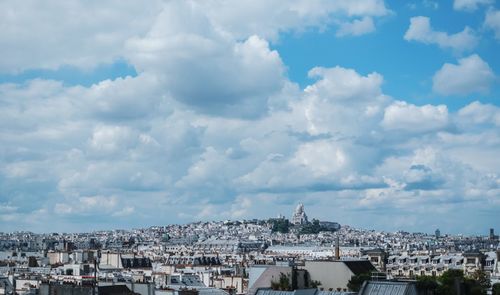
{"x":375,"y":114}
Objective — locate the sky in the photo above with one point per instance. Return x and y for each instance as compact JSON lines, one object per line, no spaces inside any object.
{"x":379,"y":114}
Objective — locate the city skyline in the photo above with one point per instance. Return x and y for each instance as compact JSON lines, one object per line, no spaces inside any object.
{"x":374,"y":114}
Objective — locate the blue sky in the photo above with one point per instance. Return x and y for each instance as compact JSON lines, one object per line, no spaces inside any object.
{"x":375,"y":114}
{"x":407,"y":66}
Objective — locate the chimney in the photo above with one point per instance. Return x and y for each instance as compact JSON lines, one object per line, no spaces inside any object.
{"x":337,"y":248}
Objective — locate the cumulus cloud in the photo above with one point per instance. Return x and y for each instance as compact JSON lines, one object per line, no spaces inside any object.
{"x":44,"y":36}
{"x":404,"y":116}
{"x":469,"y":5}
{"x":478,"y":113}
{"x":492,"y":22}
{"x":420,"y":30}
{"x":356,"y":27}
{"x":235,"y":78}
{"x":122,"y":99}
{"x":211,"y":121}
{"x":339,"y":136}
{"x":470,"y":75}
{"x":337,"y":95}
{"x":87,"y":205}
{"x":344,"y":84}
{"x":269,"y":18}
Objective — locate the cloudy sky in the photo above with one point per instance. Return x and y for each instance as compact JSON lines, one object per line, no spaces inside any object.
{"x":120,"y":114}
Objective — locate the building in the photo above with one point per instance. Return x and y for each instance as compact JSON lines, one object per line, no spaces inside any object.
{"x":410,"y":266}
{"x":262,"y":276}
{"x":492,"y":234}
{"x":388,"y":287}
{"x":334,"y":275}
{"x":302,"y":292}
{"x":299,"y":216}
{"x":378,"y":257}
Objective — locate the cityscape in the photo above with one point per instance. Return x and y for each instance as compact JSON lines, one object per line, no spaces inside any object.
{"x":249,"y":147}
{"x":251,"y":257}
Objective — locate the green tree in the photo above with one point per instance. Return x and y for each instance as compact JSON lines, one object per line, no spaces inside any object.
{"x":283,"y":283}
{"x":311,"y":228}
{"x":495,"y":289}
{"x":473,"y":287}
{"x":315,"y":284}
{"x":280,"y":225}
{"x":482,"y":279}
{"x":357,"y":281}
{"x":427,"y":285}
{"x":449,"y":281}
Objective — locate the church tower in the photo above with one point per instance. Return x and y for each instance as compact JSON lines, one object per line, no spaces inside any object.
{"x":299,"y":216}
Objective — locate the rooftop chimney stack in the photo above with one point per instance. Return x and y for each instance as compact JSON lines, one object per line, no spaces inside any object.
{"x":337,"y":248}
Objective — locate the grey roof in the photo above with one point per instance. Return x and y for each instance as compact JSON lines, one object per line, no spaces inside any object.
{"x":306,"y":292}
{"x":273,"y":292}
{"x":301,"y":292}
{"x":201,"y":290}
{"x":359,"y":266}
{"x":334,"y":293}
{"x":115,"y":290}
{"x":374,"y":251}
{"x":388,"y":288}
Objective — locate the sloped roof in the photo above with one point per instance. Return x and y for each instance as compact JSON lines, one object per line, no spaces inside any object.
{"x":374,"y":251}
{"x":305,"y":291}
{"x":360,"y":266}
{"x":115,"y":290}
{"x":301,"y":292}
{"x":388,"y":288}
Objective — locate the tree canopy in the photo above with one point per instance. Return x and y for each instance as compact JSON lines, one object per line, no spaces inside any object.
{"x":449,"y":282}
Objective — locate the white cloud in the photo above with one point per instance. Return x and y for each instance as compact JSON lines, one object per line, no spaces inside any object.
{"x":124,"y":212}
{"x":431,"y":4}
{"x":84,"y":35}
{"x":470,"y":75}
{"x":74,"y":33}
{"x":234,"y":79}
{"x":4,"y":209}
{"x":321,"y":158}
{"x":356,"y":27}
{"x":492,"y":22}
{"x":329,"y":139}
{"x":121,"y":99}
{"x":268,"y":18}
{"x":110,"y":139}
{"x":469,"y":5}
{"x":344,"y":84}
{"x":87,"y":205}
{"x":175,"y":141}
{"x":477,"y":113}
{"x":420,"y":30}
{"x":407,"y":117}
{"x":338,"y":95}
